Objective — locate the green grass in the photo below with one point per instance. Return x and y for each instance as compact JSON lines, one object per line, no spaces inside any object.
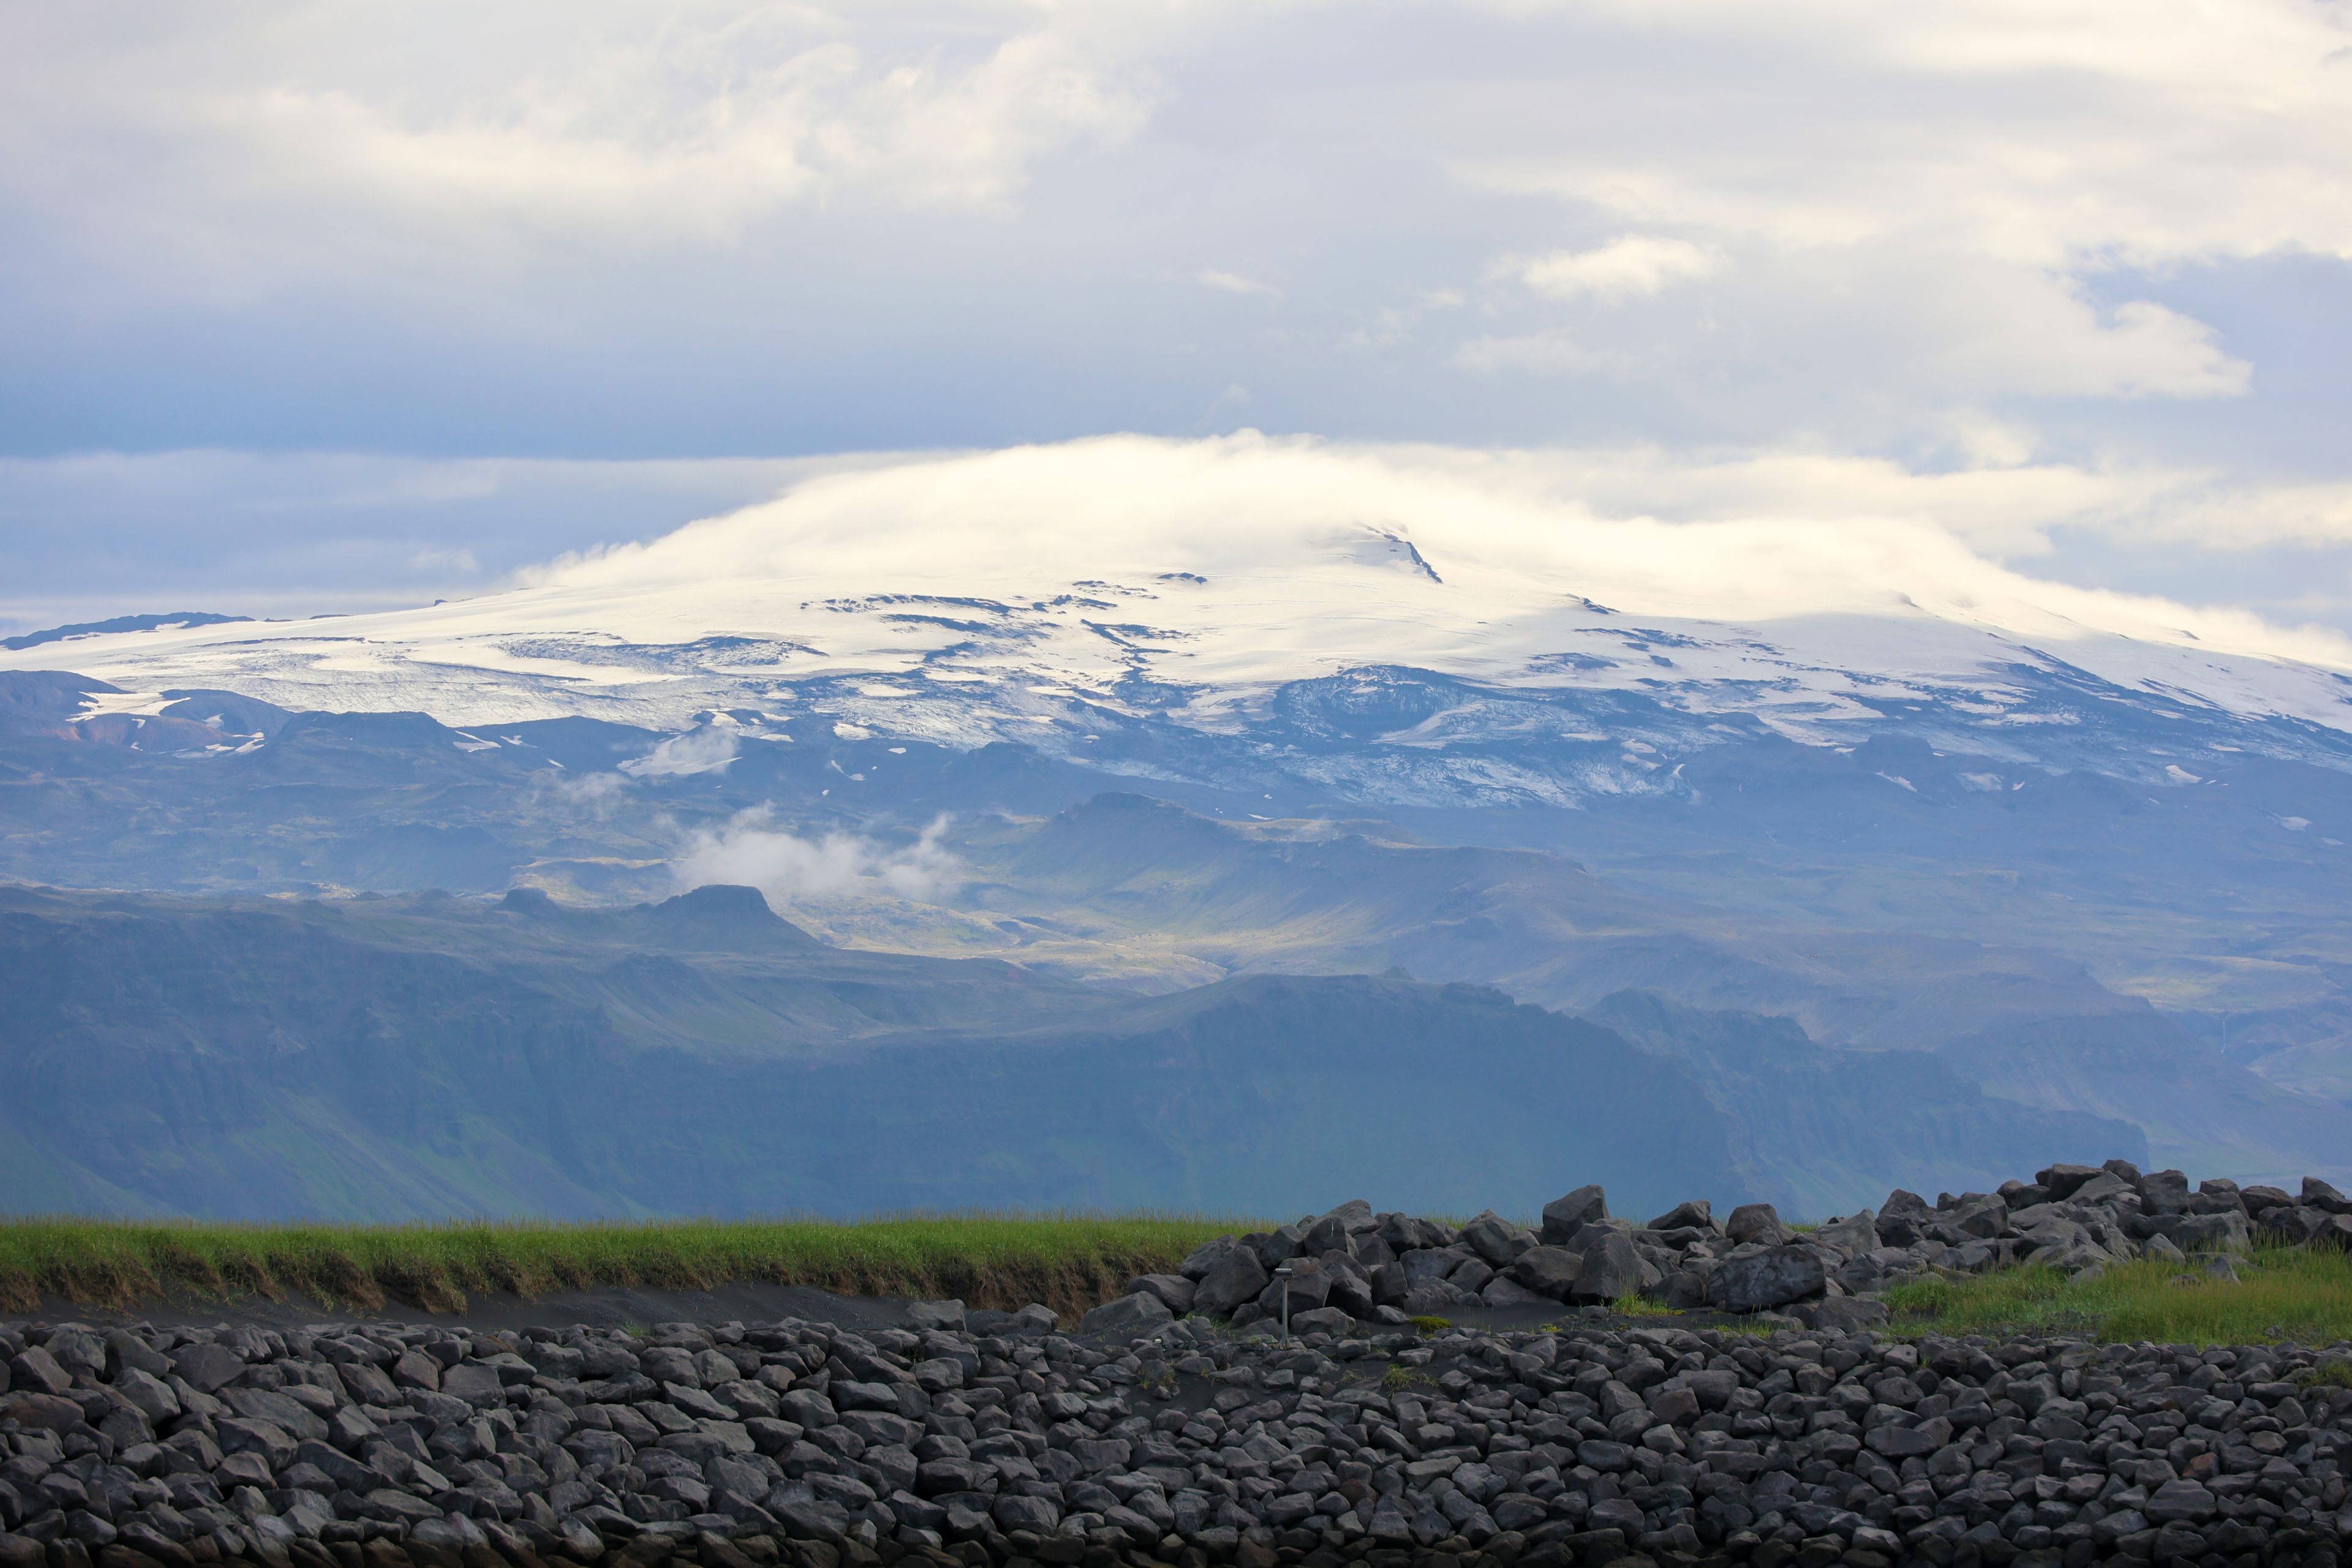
{"x":2334,"y":1371}
{"x":1069,"y":1262}
{"x":2282,"y":1294}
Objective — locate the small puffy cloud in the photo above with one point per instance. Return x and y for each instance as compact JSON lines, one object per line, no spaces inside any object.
{"x":1630,"y":267}
{"x":2150,"y":351}
{"x":751,"y":852}
{"x":599,"y":794}
{"x":1234,"y":283}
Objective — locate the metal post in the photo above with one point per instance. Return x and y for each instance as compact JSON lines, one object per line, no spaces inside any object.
{"x":1282,"y":1277}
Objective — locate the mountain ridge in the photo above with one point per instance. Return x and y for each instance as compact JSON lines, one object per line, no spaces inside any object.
{"x":416,"y":1057}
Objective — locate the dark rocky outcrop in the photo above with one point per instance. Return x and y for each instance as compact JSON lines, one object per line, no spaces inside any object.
{"x":2071,"y":1217}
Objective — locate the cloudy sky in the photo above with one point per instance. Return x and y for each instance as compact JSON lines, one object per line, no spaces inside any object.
{"x":308,"y":307}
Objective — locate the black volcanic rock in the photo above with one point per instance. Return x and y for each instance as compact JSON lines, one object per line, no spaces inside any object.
{"x":1568,"y":1444}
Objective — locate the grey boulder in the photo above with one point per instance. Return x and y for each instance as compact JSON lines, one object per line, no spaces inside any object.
{"x":2226,"y":1232}
{"x":1322,"y":1321}
{"x":2061,"y":1180}
{"x":1430,"y":1263}
{"x":1696,"y":1214}
{"x":1771,"y":1278}
{"x":208,"y":1369}
{"x":1307,"y":1286}
{"x":474,"y":1383}
{"x":1504,"y":1291}
{"x":945,"y":1316}
{"x":1235,"y":1278}
{"x":1032,"y":1513}
{"x":1610,"y":1270}
{"x":1273,"y":1247}
{"x":1173,"y":1288}
{"x":37,"y":1371}
{"x":2179,"y":1498}
{"x":1327,"y":1233}
{"x":1855,"y":1233}
{"x":80,"y":1352}
{"x":1435,"y":1299}
{"x":1564,"y":1217}
{"x":1351,"y":1291}
{"x":1129,"y":1315}
{"x":1757,"y":1221}
{"x":1206,"y":1258}
{"x":1548,"y":1271}
{"x":1495,"y":1239}
{"x":150,"y":1395}
{"x":1846,"y":1314}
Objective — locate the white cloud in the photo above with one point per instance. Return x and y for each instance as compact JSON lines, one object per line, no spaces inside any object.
{"x":1632,"y":266}
{"x":1234,"y":283}
{"x":791,"y":869}
{"x":2052,"y":343}
{"x":1761,"y":536}
{"x":2045,"y":134}
{"x":1926,"y":331}
{"x":708,"y":748}
{"x":1997,"y":233}
{"x":1555,"y":353}
{"x":1923,"y":201}
{"x":277,"y":141}
{"x":600,"y":795}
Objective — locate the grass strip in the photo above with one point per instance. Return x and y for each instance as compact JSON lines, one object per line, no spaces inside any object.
{"x":2280,"y":1294}
{"x":1069,"y":1262}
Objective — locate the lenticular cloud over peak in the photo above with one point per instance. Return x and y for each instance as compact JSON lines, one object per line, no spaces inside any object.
{"x":1514,"y":530}
{"x":1203,"y":574}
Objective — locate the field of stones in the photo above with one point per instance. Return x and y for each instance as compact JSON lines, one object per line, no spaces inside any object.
{"x":1678,"y":1391}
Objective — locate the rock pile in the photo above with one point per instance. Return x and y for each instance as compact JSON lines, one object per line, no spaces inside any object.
{"x":1355,"y":1264}
{"x":954,"y":1444}
{"x":1154,"y":1435}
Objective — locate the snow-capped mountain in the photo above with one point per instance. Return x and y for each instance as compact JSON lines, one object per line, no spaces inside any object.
{"x":2091,"y":849}
{"x":1065,"y":598}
